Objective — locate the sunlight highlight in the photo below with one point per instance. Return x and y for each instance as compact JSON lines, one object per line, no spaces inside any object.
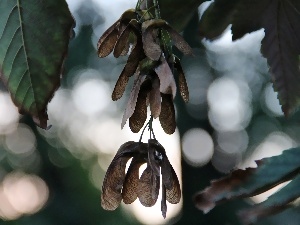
{"x":197,"y":147}
{"x":22,"y":194}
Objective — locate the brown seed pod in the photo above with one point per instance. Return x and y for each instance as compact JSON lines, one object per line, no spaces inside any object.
{"x":148,"y":188}
{"x":151,"y":43}
{"x":115,"y":176}
{"x":166,"y":78}
{"x":167,"y":114}
{"x":183,"y":87}
{"x":151,"y":47}
{"x":138,"y":118}
{"x":152,"y":159}
{"x":130,"y":68}
{"x":179,"y":41}
{"x":129,"y":110}
{"x":122,"y":44}
{"x":163,"y":206}
{"x":155,"y":98}
{"x":109,"y":38}
{"x":166,"y":171}
{"x":129,"y":191}
{"x":107,"y":43}
{"x":174,"y":193}
{"x":120,"y":86}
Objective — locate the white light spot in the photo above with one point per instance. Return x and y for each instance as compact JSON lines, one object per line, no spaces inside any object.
{"x":197,"y":147}
{"x":272,"y":101}
{"x":91,"y":96}
{"x":273,"y":145}
{"x":229,"y":103}
{"x":264,"y":196}
{"x":225,"y":161}
{"x":106,"y":136}
{"x":229,"y":150}
{"x":233,"y":142}
{"x":21,"y":141}
{"x":60,"y":108}
{"x":25,"y":194}
{"x":9,"y":115}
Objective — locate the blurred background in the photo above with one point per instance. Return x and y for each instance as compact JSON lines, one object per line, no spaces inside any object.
{"x":54,"y":177}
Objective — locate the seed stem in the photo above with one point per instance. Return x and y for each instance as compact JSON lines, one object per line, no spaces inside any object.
{"x":149,"y":125}
{"x":157,"y":10}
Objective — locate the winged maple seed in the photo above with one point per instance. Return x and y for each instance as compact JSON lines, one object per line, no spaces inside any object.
{"x":153,"y":63}
{"x":129,"y":186}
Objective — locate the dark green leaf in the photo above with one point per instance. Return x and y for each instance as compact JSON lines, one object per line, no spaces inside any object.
{"x":275,"y":203}
{"x":34,"y":38}
{"x":281,"y":45}
{"x":252,"y":181}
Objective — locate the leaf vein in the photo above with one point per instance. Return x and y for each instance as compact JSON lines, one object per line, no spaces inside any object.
{"x":24,"y":98}
{"x":9,"y":45}
{"x":25,"y":46}
{"x":9,"y":75}
{"x":5,"y":26}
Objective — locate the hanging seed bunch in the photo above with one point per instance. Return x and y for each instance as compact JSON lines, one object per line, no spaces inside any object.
{"x":149,"y":41}
{"x":118,"y":186}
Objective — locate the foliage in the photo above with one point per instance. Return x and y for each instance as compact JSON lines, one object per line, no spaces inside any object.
{"x":34,"y":39}
{"x":32,"y":54}
{"x":253,"y":181}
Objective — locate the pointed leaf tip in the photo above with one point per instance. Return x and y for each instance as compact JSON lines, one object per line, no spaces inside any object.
{"x":36,"y":51}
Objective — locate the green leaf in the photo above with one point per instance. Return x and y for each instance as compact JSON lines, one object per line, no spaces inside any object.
{"x":281,"y":44}
{"x":252,"y":181}
{"x":34,"y":37}
{"x":276,"y":202}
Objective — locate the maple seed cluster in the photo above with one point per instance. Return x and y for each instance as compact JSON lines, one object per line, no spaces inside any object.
{"x":152,"y":63}
{"x":117,"y":185}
